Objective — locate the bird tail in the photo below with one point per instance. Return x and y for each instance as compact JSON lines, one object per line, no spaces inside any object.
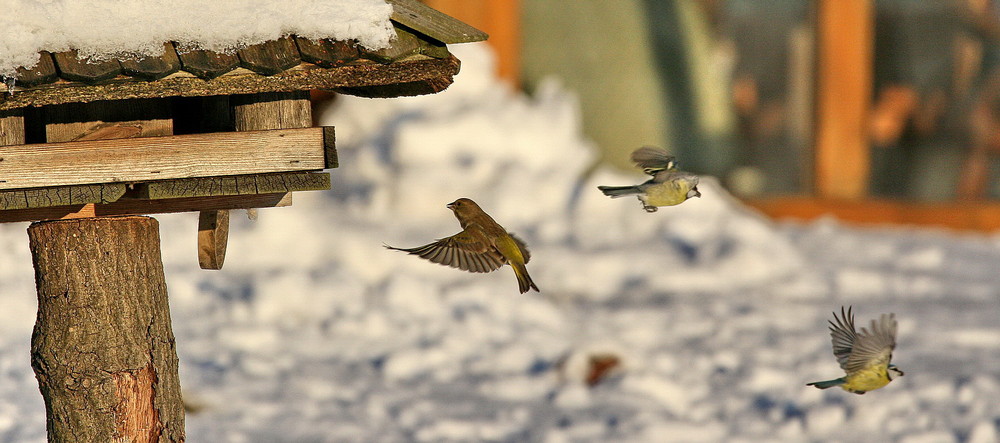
{"x":619,"y":191}
{"x":827,"y":384}
{"x":524,"y":283}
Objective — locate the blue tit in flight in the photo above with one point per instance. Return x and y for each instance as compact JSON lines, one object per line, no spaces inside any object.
{"x":668,"y":187}
{"x":865,"y":356}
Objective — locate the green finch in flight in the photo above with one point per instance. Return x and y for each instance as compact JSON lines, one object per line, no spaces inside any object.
{"x":668,"y":187}
{"x":482,"y":246}
{"x":864,"y":356}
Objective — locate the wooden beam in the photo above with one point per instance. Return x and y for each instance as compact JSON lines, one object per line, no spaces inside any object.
{"x":61,"y":196}
{"x":157,"y":158}
{"x":213,"y":236}
{"x":138,"y":207}
{"x":843,"y":98}
{"x":962,"y":215}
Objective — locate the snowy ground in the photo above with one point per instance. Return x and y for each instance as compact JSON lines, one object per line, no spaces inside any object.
{"x":315,"y":332}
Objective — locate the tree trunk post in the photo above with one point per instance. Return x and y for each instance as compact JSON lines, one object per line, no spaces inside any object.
{"x":103,"y":349}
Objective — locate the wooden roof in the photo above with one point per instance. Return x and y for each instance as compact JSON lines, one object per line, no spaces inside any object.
{"x":418,"y":62}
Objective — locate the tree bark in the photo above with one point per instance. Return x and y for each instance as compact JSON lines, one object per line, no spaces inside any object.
{"x":103,"y":349}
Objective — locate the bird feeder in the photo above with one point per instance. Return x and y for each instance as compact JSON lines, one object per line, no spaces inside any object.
{"x":87,"y":150}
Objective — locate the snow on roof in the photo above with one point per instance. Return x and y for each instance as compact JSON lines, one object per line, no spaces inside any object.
{"x":112,"y":28}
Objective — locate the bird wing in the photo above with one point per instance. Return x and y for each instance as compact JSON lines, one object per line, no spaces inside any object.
{"x":873,"y":347}
{"x":464,"y":251}
{"x":653,"y":160}
{"x":843,"y":335}
{"x":673,"y":175}
{"x":522,"y":246}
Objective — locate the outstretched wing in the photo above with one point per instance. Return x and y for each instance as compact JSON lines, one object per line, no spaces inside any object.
{"x":873,"y":347}
{"x":463,"y":251}
{"x":843,"y":335}
{"x":653,"y":160}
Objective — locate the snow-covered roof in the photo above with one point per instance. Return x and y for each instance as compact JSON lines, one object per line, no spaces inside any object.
{"x":107,"y":28}
{"x":351,"y":58}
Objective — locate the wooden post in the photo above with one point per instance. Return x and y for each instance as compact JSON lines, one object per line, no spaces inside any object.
{"x":845,"y":32}
{"x":103,"y":349}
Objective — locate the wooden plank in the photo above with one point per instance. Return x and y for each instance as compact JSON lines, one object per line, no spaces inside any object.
{"x":61,"y":196}
{"x":207,"y":64}
{"x":359,"y":73}
{"x":233,"y":185}
{"x":12,"y":127}
{"x":843,"y":99}
{"x":72,"y":67}
{"x":159,"y":158}
{"x":962,"y":215}
{"x":43,"y":72}
{"x":153,"y":68}
{"x":139,"y":207}
{"x":213,"y":236}
{"x":433,"y":23}
{"x":276,"y":110}
{"x":107,"y":120}
{"x":270,"y":57}
{"x":327,"y":53}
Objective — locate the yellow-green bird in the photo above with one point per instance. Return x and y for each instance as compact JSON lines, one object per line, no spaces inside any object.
{"x":865,"y":356}
{"x":482,"y":246}
{"x":668,"y":187}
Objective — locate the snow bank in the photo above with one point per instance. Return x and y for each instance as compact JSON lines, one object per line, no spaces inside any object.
{"x":111,"y":28}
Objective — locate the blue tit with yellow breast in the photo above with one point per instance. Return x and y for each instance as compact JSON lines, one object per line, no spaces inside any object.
{"x":668,"y":185}
{"x":865,"y":356}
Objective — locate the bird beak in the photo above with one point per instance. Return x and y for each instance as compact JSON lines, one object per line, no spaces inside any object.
{"x":450,"y":206}
{"x":696,"y":193}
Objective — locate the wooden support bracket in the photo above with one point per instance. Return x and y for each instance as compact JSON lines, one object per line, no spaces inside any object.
{"x":213,"y":236}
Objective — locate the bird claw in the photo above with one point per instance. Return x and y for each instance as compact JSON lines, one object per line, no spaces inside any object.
{"x":649,"y":209}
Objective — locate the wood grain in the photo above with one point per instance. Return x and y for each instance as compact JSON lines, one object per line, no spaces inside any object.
{"x":43,"y":72}
{"x":140,"y":207}
{"x":72,"y":67}
{"x":213,"y":236}
{"x":12,"y":127}
{"x":103,"y":350}
{"x":159,"y":158}
{"x":153,"y":68}
{"x":270,"y":57}
{"x":433,"y":23}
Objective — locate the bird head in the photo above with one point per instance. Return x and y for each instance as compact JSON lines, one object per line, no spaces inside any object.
{"x":893,"y":371}
{"x":464,"y":208}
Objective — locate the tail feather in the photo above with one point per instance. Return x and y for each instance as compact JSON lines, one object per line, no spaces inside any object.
{"x":619,"y":191}
{"x":524,"y":282}
{"x":827,"y":384}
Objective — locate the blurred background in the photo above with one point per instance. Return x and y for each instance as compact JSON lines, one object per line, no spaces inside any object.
{"x":875,"y":111}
